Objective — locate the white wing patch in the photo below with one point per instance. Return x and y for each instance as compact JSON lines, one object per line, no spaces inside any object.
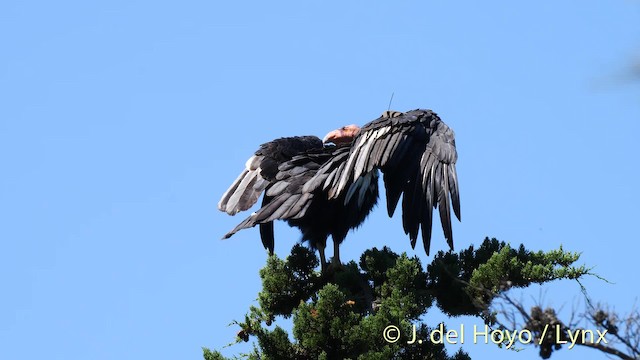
{"x":245,"y":190}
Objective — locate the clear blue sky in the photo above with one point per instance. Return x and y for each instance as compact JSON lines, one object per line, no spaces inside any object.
{"x":122,"y":123}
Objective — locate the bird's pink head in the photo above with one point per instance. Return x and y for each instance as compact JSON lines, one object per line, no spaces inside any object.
{"x":342,"y":136}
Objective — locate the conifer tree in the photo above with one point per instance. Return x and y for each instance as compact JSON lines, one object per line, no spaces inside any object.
{"x":372,"y":309}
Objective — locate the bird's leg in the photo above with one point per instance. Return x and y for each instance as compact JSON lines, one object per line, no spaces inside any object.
{"x":336,"y":255}
{"x":323,"y":259}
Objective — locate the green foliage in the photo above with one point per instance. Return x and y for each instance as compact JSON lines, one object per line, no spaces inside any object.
{"x":285,"y":284}
{"x":325,"y":327}
{"x":449,"y":274}
{"x":343,"y":313}
{"x":404,"y":293}
{"x":375,"y":263}
{"x":275,"y":344}
{"x":212,"y":355}
{"x":466,"y":283}
{"x":510,"y":268}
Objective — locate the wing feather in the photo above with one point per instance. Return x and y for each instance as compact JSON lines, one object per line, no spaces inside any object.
{"x":261,"y":170}
{"x":416,"y":153}
{"x":287,"y":196}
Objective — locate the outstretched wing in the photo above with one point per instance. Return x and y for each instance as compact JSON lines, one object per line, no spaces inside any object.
{"x":416,"y":153}
{"x":286,"y":198}
{"x":261,"y":169}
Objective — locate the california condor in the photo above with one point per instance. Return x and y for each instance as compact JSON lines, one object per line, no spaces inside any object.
{"x":327,"y":187}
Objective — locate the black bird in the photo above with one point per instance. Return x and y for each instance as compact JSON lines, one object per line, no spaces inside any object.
{"x":327,"y":187}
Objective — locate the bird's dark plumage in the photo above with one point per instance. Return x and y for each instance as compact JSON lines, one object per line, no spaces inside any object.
{"x":330,"y":190}
{"x":261,"y":170}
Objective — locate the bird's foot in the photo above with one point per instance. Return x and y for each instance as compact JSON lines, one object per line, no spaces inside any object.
{"x":335,"y":266}
{"x":330,"y":269}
